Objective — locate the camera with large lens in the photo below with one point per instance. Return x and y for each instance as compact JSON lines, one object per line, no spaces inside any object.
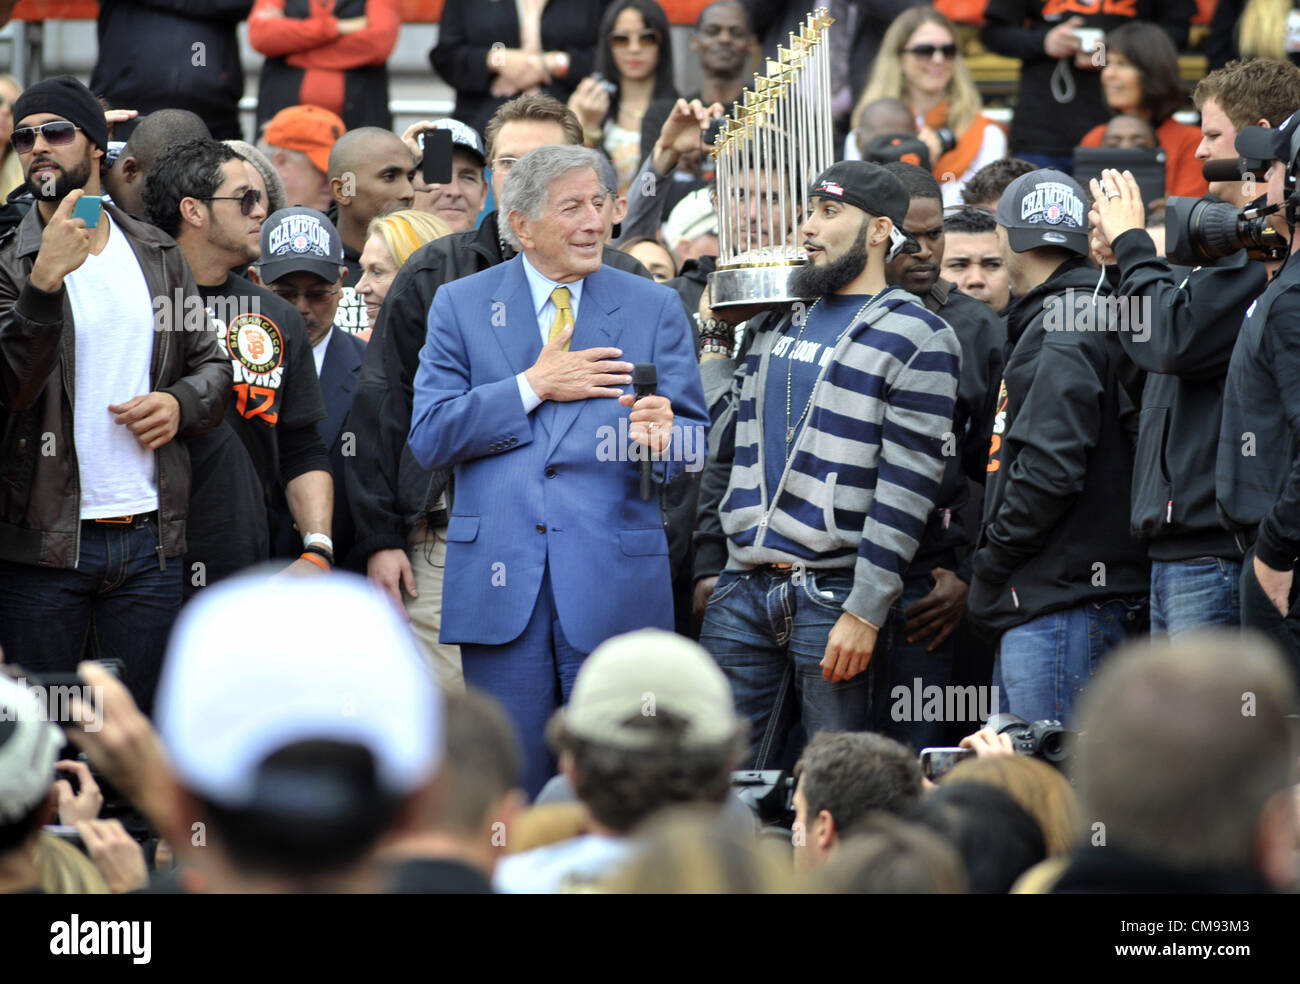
{"x":769,"y":794}
{"x":1202,"y":230}
{"x":1047,"y":740}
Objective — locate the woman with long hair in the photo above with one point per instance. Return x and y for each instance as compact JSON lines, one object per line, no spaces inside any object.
{"x":634,"y":68}
{"x":1247,"y":29}
{"x":1141,"y":79}
{"x":920,"y":62}
{"x":11,"y":171}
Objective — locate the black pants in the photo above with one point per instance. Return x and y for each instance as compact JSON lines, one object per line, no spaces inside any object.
{"x":1259,"y":613}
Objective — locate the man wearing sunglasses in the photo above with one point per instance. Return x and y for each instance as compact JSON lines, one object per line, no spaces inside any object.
{"x":210,"y":200}
{"x":96,"y":490}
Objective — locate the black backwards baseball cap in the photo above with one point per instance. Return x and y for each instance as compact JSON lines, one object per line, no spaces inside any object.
{"x":885,"y":148}
{"x":1263,"y":143}
{"x":1045,"y":208}
{"x":871,"y":188}
{"x":297,"y":239}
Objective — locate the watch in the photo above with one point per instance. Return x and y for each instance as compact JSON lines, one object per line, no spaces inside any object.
{"x":318,"y":540}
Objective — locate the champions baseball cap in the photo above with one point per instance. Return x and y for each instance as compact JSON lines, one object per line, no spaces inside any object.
{"x":463,"y":136}
{"x":906,"y":147}
{"x":692,"y":217}
{"x":299,"y":238}
{"x":257,"y":664}
{"x":310,"y":129}
{"x":632,"y":677}
{"x":29,"y":746}
{"x":1045,"y":208}
{"x":1263,"y":143}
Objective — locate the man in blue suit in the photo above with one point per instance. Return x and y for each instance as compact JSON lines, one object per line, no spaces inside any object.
{"x":520,"y":388}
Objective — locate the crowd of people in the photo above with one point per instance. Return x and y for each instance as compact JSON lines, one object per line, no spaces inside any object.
{"x":434,"y":528}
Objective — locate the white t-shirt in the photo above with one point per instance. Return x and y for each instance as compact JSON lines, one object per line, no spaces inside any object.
{"x":575,"y":865}
{"x":113,"y":316}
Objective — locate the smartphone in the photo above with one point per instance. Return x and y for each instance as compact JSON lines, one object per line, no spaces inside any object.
{"x":88,"y":208}
{"x":610,"y":88}
{"x":937,"y":762}
{"x":436,"y":167}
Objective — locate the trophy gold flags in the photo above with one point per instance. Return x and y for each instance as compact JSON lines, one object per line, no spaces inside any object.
{"x":776,"y":140}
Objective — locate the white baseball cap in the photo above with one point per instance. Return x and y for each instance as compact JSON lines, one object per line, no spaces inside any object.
{"x":692,"y":217}
{"x":258,"y":663}
{"x":29,"y":745}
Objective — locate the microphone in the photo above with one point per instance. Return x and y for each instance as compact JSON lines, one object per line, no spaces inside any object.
{"x":1222,"y":169}
{"x":645,"y":380}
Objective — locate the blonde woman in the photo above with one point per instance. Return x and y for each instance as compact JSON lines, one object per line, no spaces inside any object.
{"x":921,"y":64}
{"x":390,"y":239}
{"x":11,"y":170}
{"x":1253,"y":29}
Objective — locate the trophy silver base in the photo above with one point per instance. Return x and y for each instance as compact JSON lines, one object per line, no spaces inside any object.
{"x":750,"y":286}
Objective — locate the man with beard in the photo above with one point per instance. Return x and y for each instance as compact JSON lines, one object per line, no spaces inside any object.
{"x":95,"y":487}
{"x":917,"y":642}
{"x":835,"y":462}
{"x":209,"y":199}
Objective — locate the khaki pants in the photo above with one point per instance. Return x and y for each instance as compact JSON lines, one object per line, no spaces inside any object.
{"x":427,"y":549}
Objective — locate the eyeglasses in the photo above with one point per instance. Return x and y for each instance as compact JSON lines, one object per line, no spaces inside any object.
{"x":504,"y":164}
{"x":647,"y":39}
{"x":928,"y":51}
{"x":247,"y":201}
{"x":317,"y":295}
{"x":57,"y":133}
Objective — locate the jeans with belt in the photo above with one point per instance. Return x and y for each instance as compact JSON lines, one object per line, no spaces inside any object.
{"x":767,"y":630}
{"x":118,"y":599}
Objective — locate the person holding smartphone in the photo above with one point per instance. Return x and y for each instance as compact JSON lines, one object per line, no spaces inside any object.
{"x":96,"y":489}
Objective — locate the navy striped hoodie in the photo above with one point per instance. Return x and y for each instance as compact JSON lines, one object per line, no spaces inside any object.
{"x":865,"y":468}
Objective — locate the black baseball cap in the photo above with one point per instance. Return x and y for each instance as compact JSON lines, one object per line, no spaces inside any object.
{"x":1045,"y":208}
{"x":1264,"y":143}
{"x":296,"y":239}
{"x":866,"y":186}
{"x":884,"y":148}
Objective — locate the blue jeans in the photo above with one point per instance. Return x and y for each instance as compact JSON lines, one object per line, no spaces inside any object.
{"x":1043,"y":665}
{"x":768,"y":634}
{"x":532,"y":676}
{"x":1193,"y":594}
{"x":116,"y":598}
{"x":899,"y":663}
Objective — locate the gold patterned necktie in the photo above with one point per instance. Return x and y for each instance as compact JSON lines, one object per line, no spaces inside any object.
{"x":563,"y":315}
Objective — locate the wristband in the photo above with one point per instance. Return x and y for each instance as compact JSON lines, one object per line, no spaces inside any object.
{"x":315,"y":558}
{"x":715,"y":346}
{"x":320,"y":551}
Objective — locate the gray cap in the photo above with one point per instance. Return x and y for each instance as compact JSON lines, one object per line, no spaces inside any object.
{"x":641,"y":674}
{"x":463,"y":136}
{"x":297,"y":239}
{"x":1045,"y":208}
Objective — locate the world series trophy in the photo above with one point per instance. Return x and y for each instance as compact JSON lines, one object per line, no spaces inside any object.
{"x":777,"y":139}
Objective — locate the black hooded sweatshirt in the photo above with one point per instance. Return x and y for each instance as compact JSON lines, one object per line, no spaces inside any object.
{"x":1060,"y":469}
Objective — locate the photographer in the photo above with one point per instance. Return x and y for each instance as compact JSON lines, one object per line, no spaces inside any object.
{"x":1258,"y":473}
{"x":1191,"y":316}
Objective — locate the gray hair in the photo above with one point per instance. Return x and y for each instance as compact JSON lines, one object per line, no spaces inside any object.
{"x":528,"y":184}
{"x":276,"y":196}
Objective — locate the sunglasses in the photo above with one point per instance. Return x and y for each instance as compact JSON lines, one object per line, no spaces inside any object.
{"x":317,"y":295}
{"x":247,"y":201}
{"x":58,"y":133}
{"x":648,"y":39}
{"x":948,"y":51}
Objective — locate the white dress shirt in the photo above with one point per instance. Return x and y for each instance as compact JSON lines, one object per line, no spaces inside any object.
{"x":540,"y":287}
